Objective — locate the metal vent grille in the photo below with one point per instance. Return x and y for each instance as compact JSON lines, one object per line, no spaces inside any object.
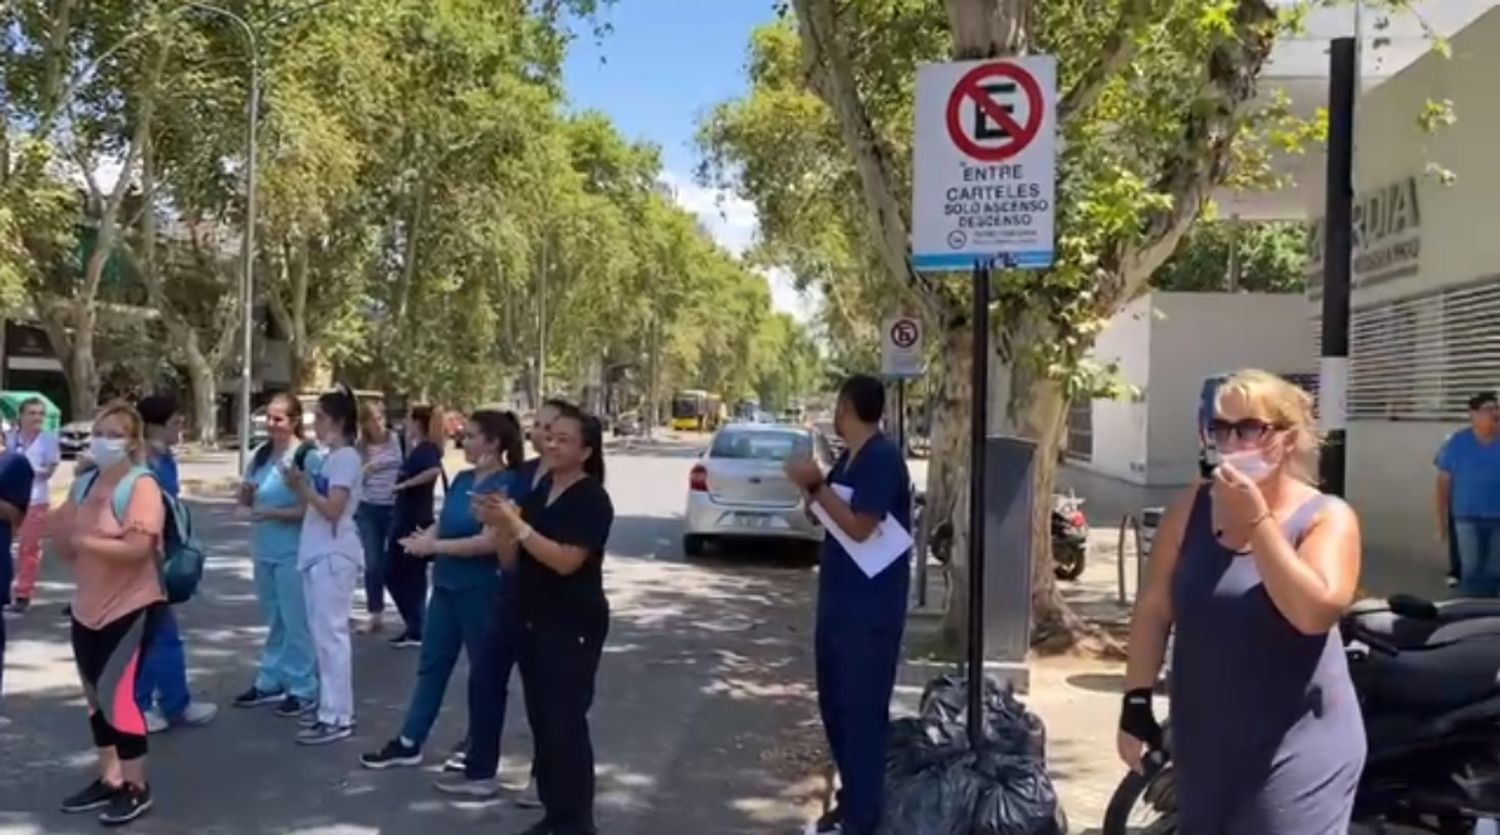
{"x":1420,"y":358}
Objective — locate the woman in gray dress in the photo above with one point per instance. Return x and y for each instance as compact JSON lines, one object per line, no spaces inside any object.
{"x":1254,"y":567}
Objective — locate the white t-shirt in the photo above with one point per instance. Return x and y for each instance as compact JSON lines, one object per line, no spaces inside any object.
{"x":322,"y":538}
{"x":42,"y":452}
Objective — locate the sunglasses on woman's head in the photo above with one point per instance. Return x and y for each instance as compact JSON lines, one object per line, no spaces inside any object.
{"x":1246,"y":430}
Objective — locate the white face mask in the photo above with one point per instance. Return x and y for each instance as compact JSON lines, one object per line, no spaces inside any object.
{"x":1251,"y":462}
{"x":108,"y":452}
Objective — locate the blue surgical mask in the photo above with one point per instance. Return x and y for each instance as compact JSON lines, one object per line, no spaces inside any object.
{"x":107,"y":452}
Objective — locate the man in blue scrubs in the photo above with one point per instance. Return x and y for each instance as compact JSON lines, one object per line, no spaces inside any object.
{"x":860,"y":618}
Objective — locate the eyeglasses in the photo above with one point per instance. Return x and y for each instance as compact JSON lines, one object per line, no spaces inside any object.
{"x":1247,"y":430}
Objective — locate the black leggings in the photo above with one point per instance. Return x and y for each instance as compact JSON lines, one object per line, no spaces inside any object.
{"x":109,"y":662}
{"x":558,"y":664}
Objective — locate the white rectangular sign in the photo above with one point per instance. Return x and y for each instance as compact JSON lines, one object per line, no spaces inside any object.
{"x":985,"y":167}
{"x":901,"y":348}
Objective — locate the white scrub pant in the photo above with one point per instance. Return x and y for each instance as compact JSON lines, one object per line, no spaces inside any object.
{"x":329,"y":587}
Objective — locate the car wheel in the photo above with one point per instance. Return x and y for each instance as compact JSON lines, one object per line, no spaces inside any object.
{"x":693,"y":545}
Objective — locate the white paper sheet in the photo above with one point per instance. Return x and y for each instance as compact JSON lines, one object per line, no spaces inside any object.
{"x":874,"y":555}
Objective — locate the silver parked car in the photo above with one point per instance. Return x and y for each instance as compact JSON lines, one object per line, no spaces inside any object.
{"x":739,"y":490}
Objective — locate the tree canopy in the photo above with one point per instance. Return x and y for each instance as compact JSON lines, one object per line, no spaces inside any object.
{"x":433,"y":218}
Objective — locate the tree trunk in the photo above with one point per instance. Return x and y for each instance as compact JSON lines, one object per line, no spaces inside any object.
{"x":203,"y":378}
{"x":83,"y":370}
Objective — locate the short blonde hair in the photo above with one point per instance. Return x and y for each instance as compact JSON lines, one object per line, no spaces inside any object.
{"x":1284,"y":405}
{"x":135,"y":426}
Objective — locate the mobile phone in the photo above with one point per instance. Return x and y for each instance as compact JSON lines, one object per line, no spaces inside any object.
{"x":1208,"y":461}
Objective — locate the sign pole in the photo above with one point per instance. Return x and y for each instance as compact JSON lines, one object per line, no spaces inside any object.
{"x":978,"y":430}
{"x":1338,"y":245}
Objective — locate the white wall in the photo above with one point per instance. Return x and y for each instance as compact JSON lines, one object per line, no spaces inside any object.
{"x":1119,"y":426}
{"x":1196,"y":335}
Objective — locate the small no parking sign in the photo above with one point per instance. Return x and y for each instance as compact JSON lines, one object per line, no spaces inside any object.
{"x":901,"y":348}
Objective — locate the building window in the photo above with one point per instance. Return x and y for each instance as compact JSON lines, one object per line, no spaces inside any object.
{"x":1080,"y":445}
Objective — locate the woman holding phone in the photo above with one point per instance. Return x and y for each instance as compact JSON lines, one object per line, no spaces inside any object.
{"x":554,"y":539}
{"x":465,"y":585}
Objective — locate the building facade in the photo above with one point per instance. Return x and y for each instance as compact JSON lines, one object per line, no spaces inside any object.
{"x":1426,"y":291}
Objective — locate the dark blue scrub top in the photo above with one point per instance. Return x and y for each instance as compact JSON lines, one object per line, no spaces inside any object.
{"x":881,"y":485}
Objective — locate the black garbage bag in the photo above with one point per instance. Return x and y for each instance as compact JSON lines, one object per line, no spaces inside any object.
{"x":1019,"y":798}
{"x":1008,"y":725}
{"x":937,"y":784}
{"x":939,"y":800}
{"x":982,"y":793}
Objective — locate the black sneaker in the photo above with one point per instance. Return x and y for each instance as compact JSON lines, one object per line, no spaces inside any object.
{"x":392,"y":754}
{"x":406,"y":640}
{"x":291,"y":707}
{"x":255,"y":697}
{"x":129,"y":803}
{"x":97,"y":795}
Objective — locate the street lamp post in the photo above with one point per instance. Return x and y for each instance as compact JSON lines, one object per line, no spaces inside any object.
{"x":247,"y":243}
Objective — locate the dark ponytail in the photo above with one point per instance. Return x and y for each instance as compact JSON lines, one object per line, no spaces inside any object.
{"x":591,"y":431}
{"x":430,"y":418}
{"x":293,"y":408}
{"x":342,"y":407}
{"x":503,"y":430}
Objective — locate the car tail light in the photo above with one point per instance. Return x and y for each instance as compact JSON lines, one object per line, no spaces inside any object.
{"x":698,"y":481}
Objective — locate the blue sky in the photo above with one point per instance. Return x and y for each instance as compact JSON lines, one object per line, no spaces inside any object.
{"x":663,"y":65}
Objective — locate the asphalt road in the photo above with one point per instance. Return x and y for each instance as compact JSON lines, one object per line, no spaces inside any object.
{"x":704,"y":721}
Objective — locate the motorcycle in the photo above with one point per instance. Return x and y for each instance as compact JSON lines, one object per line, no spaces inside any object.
{"x":1070,"y":535}
{"x":1426,"y":678}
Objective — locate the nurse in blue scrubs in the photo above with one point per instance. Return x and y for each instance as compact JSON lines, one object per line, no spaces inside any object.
{"x":860,"y":618}
{"x":288,"y":675}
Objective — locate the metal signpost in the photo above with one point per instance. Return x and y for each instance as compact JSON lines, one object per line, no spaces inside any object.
{"x":984,"y":182}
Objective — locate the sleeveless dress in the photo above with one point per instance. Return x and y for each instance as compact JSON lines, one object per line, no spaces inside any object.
{"x":1267,"y":735}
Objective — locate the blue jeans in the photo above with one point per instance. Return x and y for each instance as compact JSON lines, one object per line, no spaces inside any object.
{"x":856,"y":672}
{"x":1479,"y":556}
{"x":489,"y":683}
{"x":163,"y":675}
{"x":374,"y":521}
{"x":457,"y":619}
{"x":287,"y":663}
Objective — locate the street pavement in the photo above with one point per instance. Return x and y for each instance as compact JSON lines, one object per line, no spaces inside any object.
{"x":705,"y":717}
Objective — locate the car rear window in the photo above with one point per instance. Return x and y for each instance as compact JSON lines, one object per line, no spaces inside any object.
{"x":766,"y":446}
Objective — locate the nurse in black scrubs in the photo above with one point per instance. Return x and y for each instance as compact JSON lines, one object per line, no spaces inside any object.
{"x":555,"y":540}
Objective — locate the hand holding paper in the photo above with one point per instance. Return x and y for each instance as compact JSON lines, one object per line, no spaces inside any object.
{"x":876,"y":553}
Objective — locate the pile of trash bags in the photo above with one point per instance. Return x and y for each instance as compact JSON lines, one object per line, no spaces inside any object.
{"x":936,"y":784}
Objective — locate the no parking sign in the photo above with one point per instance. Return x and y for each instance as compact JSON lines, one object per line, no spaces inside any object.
{"x":985,"y":166}
{"x":901,"y":348}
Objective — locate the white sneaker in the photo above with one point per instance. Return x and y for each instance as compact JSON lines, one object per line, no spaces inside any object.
{"x":198,"y":713}
{"x":527,"y":797}
{"x":155,"y":722}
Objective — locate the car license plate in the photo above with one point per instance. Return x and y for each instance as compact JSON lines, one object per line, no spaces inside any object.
{"x":752,"y":520}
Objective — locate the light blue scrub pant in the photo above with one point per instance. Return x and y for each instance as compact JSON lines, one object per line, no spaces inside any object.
{"x":287,"y":664}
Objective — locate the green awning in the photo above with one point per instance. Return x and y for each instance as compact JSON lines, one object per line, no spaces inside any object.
{"x":11,"y":402}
